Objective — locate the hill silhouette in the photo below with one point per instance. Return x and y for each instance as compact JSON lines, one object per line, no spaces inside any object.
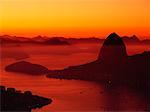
{"x":113,"y":49}
{"x":44,"y":40}
{"x":113,"y":65}
{"x":26,"y":67}
{"x":6,"y":39}
{"x":132,"y":39}
{"x":56,"y":41}
{"x":16,"y":101}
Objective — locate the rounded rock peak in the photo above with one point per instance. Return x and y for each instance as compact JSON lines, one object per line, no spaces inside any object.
{"x":113,"y":39}
{"x":113,"y":49}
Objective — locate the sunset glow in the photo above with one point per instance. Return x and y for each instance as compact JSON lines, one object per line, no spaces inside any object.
{"x":75,"y":18}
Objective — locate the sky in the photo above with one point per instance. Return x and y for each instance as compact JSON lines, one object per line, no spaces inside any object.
{"x":75,"y":18}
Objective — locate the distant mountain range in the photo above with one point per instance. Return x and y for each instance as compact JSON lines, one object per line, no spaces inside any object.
{"x":66,"y":41}
{"x":6,"y":39}
{"x":135,"y":39}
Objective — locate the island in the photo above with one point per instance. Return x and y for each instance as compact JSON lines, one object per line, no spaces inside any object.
{"x":27,"y":68}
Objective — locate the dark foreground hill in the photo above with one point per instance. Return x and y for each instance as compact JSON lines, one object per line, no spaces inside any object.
{"x":14,"y":100}
{"x":112,"y":66}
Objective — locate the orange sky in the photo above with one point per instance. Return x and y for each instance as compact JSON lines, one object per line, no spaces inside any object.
{"x":74,"y":18}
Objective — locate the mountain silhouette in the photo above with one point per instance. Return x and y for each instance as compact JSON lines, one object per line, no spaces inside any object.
{"x":112,"y":65}
{"x":132,"y":40}
{"x":113,"y":49}
{"x":56,"y":41}
{"x":7,"y":39}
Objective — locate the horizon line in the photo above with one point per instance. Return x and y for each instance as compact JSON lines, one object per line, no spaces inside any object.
{"x":99,"y":37}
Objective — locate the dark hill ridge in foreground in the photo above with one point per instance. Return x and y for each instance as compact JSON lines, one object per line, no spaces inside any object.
{"x":113,"y":65}
{"x":26,"y":67}
{"x":14,"y":100}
